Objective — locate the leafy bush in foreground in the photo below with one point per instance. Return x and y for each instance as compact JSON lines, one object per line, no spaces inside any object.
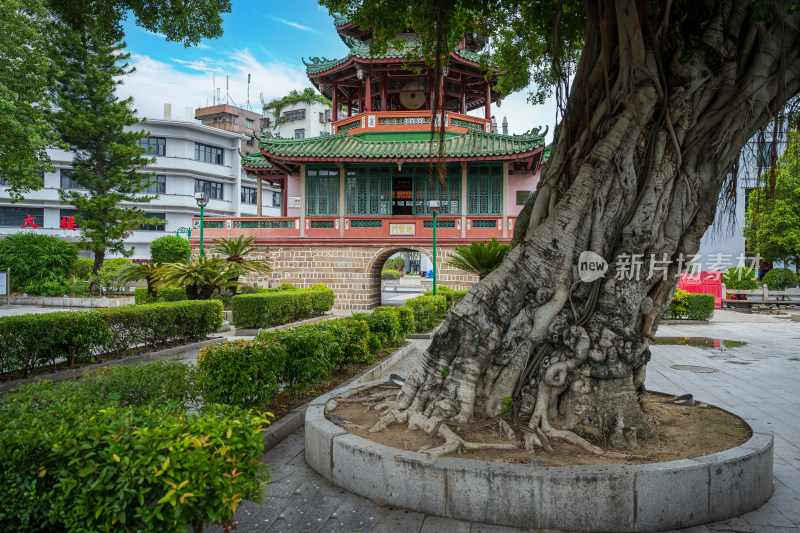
{"x":35,"y":259}
{"x":266,"y":309}
{"x":428,"y":311}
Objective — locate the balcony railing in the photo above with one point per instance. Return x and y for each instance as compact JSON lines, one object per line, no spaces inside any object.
{"x":409,"y":121}
{"x":381,"y":229}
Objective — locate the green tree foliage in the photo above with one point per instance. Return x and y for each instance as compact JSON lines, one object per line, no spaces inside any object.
{"x":236,"y":252}
{"x":779,"y":279}
{"x":480,"y":258}
{"x":30,"y":42}
{"x":201,"y":276}
{"x":25,"y":75}
{"x":772,"y":220}
{"x":170,"y":249}
{"x":740,"y":278}
{"x":91,"y":120}
{"x":36,"y":259}
{"x":533,"y":41}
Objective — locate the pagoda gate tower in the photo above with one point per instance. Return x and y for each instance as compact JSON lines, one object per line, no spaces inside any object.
{"x":356,"y":196}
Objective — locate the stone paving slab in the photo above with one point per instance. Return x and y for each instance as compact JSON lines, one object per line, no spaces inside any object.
{"x":764,"y":392}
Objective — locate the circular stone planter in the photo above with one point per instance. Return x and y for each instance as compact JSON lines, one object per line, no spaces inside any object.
{"x":647,"y":497}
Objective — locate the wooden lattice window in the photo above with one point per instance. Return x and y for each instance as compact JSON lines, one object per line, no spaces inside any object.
{"x":485,"y":190}
{"x":322,"y":191}
{"x":428,"y":188}
{"x":368,"y":191}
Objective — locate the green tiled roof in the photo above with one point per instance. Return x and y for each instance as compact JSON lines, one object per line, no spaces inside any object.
{"x":361,"y":50}
{"x":255,"y":161}
{"x":344,"y":146}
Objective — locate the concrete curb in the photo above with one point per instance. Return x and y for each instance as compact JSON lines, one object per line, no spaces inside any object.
{"x":649,"y":497}
{"x":683,"y":322}
{"x":295,"y":420}
{"x":78,"y":372}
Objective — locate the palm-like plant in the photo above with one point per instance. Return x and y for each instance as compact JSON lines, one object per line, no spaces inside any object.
{"x":201,"y":276}
{"x":480,"y":258}
{"x":138,"y":272}
{"x":235,"y":252}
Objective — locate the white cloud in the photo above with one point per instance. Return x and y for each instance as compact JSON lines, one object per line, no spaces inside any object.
{"x":296,"y":25}
{"x":155,"y":82}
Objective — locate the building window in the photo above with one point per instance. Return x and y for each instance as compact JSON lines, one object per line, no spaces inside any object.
{"x":211,"y":188}
{"x":427,"y":188}
{"x":158,"y":186}
{"x":747,"y":192}
{"x":249,"y":195}
{"x":66,"y":179}
{"x":368,"y":191}
{"x":208,"y":154}
{"x":154,"y":227}
{"x":300,"y":134}
{"x":322,"y":191}
{"x":522,"y":197}
{"x":15,"y":216}
{"x":249,"y":123}
{"x":154,"y":145}
{"x":276,"y":199}
{"x":326,"y":116}
{"x":65,"y":214}
{"x":485,"y":190}
{"x":4,"y":180}
{"x":297,"y":114}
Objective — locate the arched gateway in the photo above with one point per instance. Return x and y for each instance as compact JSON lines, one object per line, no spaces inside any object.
{"x":367,"y":188}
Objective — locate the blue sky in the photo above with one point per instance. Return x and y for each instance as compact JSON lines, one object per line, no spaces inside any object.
{"x":267,"y":41}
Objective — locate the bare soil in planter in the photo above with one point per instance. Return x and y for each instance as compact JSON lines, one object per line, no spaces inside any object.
{"x":683,"y":432}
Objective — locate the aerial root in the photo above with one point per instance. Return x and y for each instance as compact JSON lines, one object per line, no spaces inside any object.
{"x":574,"y":438}
{"x":506,"y":430}
{"x":381,"y":406}
{"x":453,"y":443}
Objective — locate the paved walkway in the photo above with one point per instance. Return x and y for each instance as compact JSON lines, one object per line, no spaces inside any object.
{"x":758,"y":381}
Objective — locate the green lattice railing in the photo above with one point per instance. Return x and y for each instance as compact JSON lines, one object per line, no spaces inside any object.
{"x":322,"y":224}
{"x":214,"y":224}
{"x":264,"y":224}
{"x":349,"y":126}
{"x":366,"y":223}
{"x":440,"y":224}
{"x":484,"y":223}
{"x":465,"y":124}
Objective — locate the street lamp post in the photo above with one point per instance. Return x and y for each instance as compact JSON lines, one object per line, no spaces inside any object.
{"x":202,"y":200}
{"x":433,"y":206}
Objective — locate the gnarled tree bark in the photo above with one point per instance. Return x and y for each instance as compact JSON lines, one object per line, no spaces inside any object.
{"x":665,"y":96}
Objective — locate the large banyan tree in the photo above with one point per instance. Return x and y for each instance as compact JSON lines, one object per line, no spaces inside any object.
{"x":658,"y":98}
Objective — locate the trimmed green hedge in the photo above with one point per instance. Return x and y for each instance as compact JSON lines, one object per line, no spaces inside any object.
{"x":96,"y":454}
{"x":282,"y":306}
{"x":248,"y":373}
{"x":693,"y":306}
{"x":28,"y":342}
{"x":452,"y":296}
{"x":165,"y":294}
{"x":428,"y":311}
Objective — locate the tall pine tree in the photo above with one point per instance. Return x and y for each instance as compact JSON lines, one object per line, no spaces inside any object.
{"x":92,"y":121}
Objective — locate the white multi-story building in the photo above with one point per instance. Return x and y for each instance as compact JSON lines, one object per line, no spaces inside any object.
{"x":189,"y":157}
{"x":300,"y":120}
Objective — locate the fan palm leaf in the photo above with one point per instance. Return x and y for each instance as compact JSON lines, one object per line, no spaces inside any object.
{"x":479,"y":258}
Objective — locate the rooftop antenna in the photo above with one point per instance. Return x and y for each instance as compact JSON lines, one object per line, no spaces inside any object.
{"x":247,"y":105}
{"x":214,"y":90}
{"x":228,"y":97}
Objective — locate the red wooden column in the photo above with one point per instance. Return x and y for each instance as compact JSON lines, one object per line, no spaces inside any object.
{"x":335,"y":102}
{"x":383,"y":93}
{"x":463,"y":95}
{"x":349,"y":107}
{"x":368,"y":92}
{"x":488,"y":109}
{"x":284,"y":199}
{"x":258,"y":195}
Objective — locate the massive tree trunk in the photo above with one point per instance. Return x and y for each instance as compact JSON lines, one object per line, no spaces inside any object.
{"x":665,"y":96}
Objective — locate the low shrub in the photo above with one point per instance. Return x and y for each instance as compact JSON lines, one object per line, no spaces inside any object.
{"x":778,"y":279}
{"x":740,"y":279}
{"x":244,"y":373}
{"x":428,"y":311}
{"x":165,"y":294}
{"x":28,"y":342}
{"x":169,"y":249}
{"x":390,"y":274}
{"x":88,"y":464}
{"x":701,"y":306}
{"x":453,"y":297}
{"x":278,"y":307}
{"x":384,"y":322}
{"x":82,"y":268}
{"x":694,"y":306}
{"x":35,"y":259}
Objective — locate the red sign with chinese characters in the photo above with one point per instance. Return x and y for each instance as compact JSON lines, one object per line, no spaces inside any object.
{"x":30,"y":222}
{"x":68,"y":223}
